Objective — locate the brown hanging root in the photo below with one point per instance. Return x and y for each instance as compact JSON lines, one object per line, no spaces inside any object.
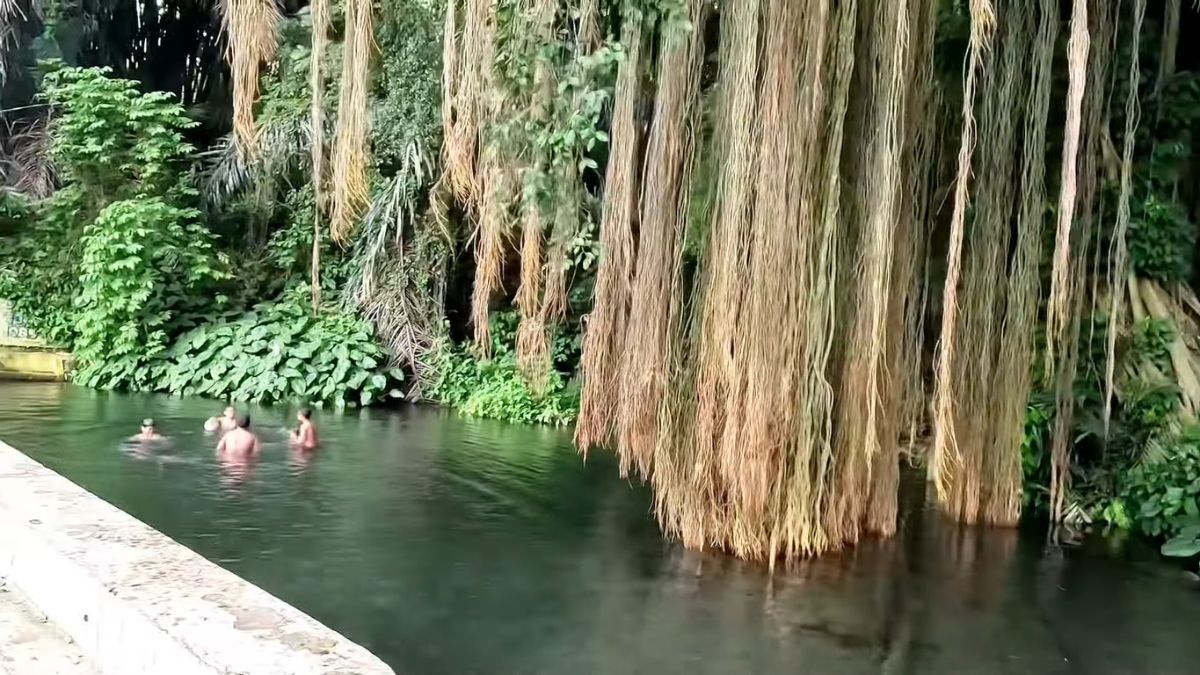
{"x":760,"y":421}
{"x":1058,"y":305}
{"x":316,"y":83}
{"x":980,"y":329}
{"x":1012,"y":379}
{"x":450,"y":74}
{"x":719,"y":292}
{"x":252,"y":38}
{"x":858,"y":443}
{"x":1119,"y":250}
{"x":605,"y":335}
{"x":812,"y":477}
{"x":351,"y":137}
{"x":533,"y":349}
{"x":589,"y":24}
{"x":945,"y":460}
{"x":470,"y":76}
{"x":1095,"y":110}
{"x":920,"y":173}
{"x":1169,"y":45}
{"x":491,"y":243}
{"x":660,"y":245}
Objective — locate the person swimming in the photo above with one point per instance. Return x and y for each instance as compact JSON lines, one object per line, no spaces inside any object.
{"x":305,"y":435}
{"x":240,"y":441}
{"x":227,"y":421}
{"x":149,"y":431}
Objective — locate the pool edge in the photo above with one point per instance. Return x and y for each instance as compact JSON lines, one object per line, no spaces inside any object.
{"x":136,"y":601}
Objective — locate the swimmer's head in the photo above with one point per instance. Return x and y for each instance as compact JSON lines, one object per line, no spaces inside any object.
{"x":243,"y":421}
{"x":305,"y":413}
{"x":230,"y":412}
{"x":148,"y":425}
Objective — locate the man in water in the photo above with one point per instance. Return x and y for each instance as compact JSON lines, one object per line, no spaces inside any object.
{"x":226,"y":422}
{"x":149,"y":432}
{"x":305,"y":435}
{"x":240,"y":441}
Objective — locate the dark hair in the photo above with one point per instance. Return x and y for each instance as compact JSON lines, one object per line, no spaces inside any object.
{"x":306,"y":413}
{"x":243,"y":421}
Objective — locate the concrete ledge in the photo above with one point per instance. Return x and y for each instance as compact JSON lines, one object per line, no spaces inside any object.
{"x":25,"y":363}
{"x":137,"y":602}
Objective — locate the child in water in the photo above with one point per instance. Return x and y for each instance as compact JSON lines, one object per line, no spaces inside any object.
{"x":149,"y":432}
{"x":305,"y":435}
{"x":226,"y":422}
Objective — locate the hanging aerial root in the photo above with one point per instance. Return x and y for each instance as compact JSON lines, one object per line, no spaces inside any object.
{"x":719,"y":290}
{"x":252,"y":39}
{"x":469,"y":105}
{"x":945,"y":459}
{"x":533,"y":350}
{"x":1012,"y":379}
{"x":1119,"y":249}
{"x":1059,"y":303}
{"x":351,"y":137}
{"x":605,"y":335}
{"x":316,"y":84}
{"x":491,"y":243}
{"x":660,"y":246}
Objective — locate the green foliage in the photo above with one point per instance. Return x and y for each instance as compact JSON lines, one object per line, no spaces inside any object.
{"x":1152,"y":342}
{"x":1186,"y":544}
{"x":145,"y":267}
{"x":1035,"y":450}
{"x":110,"y":142}
{"x":495,"y":388}
{"x":282,"y":351}
{"x":15,"y":212}
{"x":1161,"y":240}
{"x":39,"y":263}
{"x":112,"y":139}
{"x":1163,"y":489}
{"x":1147,"y":408}
{"x":407,"y":96}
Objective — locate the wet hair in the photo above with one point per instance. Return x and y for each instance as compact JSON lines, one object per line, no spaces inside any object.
{"x":306,"y":413}
{"x":243,"y":421}
{"x":148,"y":422}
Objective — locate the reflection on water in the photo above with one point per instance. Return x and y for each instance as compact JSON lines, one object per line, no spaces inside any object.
{"x":453,"y":546}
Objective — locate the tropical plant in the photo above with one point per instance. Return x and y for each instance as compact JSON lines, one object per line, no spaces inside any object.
{"x":496,"y":387}
{"x":282,"y":351}
{"x":1163,"y":490}
{"x":146,"y":269}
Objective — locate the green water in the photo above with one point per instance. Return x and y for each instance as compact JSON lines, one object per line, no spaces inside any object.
{"x":454,"y":546}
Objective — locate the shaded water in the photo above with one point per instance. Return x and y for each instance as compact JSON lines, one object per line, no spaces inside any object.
{"x":454,"y":546}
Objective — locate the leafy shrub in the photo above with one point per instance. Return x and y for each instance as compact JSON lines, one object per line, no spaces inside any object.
{"x":1152,"y":342}
{"x":495,"y":388}
{"x":1161,"y":239}
{"x":1185,"y":544}
{"x":1035,"y":450}
{"x":112,"y":138}
{"x":281,"y":351}
{"x":145,"y":266}
{"x":1163,"y":489}
{"x":39,"y":265}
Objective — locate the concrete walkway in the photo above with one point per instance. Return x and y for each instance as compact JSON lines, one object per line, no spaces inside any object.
{"x":30,"y":646}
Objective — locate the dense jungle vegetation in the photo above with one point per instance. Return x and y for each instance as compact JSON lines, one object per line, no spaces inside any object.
{"x":767,"y":251}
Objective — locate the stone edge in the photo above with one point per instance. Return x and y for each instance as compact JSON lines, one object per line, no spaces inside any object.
{"x":138,"y":602}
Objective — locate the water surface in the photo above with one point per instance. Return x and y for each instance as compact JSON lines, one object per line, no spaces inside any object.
{"x":447,"y":545}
